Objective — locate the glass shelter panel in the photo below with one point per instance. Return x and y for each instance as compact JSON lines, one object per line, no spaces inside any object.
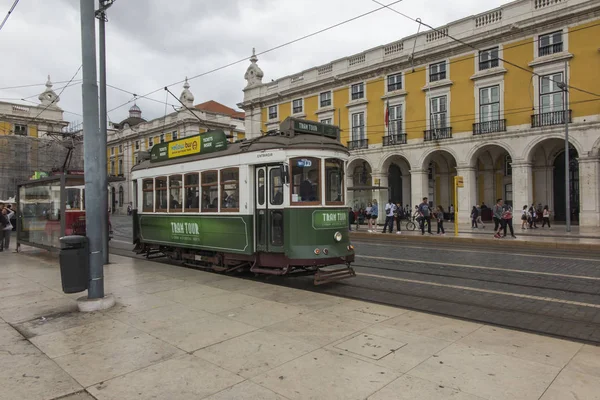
{"x":39,"y":207}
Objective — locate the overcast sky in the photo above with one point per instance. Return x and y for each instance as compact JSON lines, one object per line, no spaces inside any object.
{"x":153,"y":43}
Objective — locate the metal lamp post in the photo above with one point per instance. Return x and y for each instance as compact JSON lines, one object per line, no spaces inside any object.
{"x":565,"y":88}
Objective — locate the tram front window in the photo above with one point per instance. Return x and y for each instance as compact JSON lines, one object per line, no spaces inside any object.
{"x":334,"y":181}
{"x":306,"y":187}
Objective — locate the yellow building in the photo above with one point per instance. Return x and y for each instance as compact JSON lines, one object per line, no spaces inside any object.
{"x":483,"y":98}
{"x":130,"y":140}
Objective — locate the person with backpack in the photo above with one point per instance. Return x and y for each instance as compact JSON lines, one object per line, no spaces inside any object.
{"x":390,"y":210}
{"x":439,"y":216}
{"x":425,"y":214}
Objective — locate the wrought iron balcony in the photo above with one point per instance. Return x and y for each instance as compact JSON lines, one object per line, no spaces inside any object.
{"x":482,"y":128}
{"x":358,"y":144}
{"x":438,"y":133}
{"x":394,"y":139}
{"x":550,"y":118}
{"x":550,"y":49}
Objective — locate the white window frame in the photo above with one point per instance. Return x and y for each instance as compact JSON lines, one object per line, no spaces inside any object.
{"x":327,"y":121}
{"x":269,"y":117}
{"x":121,"y":149}
{"x":174,"y":135}
{"x":150,"y":142}
{"x":446,"y":70}
{"x":433,"y":93}
{"x":301,"y":112}
{"x":551,"y":93}
{"x":120,"y":167}
{"x":161,"y":138}
{"x":537,"y":40}
{"x":446,"y":112}
{"x":395,"y":106}
{"x":489,"y":105}
{"x":330,"y":99}
{"x":112,"y":150}
{"x":496,"y":80}
{"x":544,"y":70}
{"x":488,"y":51}
{"x":137,"y":144}
{"x":26,"y":130}
{"x":112,"y":167}
{"x":401,"y":82}
{"x":352,"y":126}
{"x":364,"y":91}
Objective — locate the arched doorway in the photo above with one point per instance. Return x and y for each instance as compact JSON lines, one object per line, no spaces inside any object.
{"x":395,"y":183}
{"x":493,"y":175}
{"x":441,"y":170}
{"x":360,"y":184}
{"x":560,"y":185}
{"x":398,"y":179}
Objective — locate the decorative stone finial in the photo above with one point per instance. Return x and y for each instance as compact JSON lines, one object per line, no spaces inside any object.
{"x":187,"y":97}
{"x":49,"y":98}
{"x":253,"y":74}
{"x":135,"y":111}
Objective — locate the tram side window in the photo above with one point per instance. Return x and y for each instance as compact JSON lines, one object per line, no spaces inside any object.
{"x":148,"y":195}
{"x":276,"y":185}
{"x":334,"y":181}
{"x":192,"y":192}
{"x":161,"y":194}
{"x":230,"y":190}
{"x":210,"y":191}
{"x":306,"y":187}
{"x":261,"y":187}
{"x":175,"y":193}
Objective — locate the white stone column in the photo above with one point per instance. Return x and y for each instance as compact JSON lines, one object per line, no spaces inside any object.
{"x":522,"y":177}
{"x":349,"y":193}
{"x":542,"y":192}
{"x":467,"y":195}
{"x":406,"y":190}
{"x":419,"y":186}
{"x":589,"y":199}
{"x":253,"y":123}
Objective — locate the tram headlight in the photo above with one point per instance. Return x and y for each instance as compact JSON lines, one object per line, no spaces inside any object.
{"x":338,"y":236}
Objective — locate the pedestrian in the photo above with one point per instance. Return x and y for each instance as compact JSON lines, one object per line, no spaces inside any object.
{"x":13,"y":218}
{"x":374,"y":215}
{"x":497,"y":213}
{"x":6,"y":228}
{"x":483,"y":206}
{"x":425,"y":214}
{"x":479,"y":221}
{"x":390,"y":209}
{"x":546,"y":217}
{"x":440,"y":220}
{"x":368,"y":214}
{"x":474,"y":216}
{"x":533,"y":219}
{"x":129,"y":206}
{"x":524,"y":218}
{"x":399,"y":215}
{"x":507,"y":216}
{"x":451,"y":211}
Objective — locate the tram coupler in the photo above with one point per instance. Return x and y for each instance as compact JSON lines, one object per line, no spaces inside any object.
{"x":326,"y":276}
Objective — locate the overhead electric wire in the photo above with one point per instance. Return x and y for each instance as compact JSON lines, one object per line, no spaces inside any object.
{"x":12,"y":8}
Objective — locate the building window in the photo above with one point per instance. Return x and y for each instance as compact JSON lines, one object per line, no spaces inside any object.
{"x":230,"y":189}
{"x":437,"y":72}
{"x":489,"y":103}
{"x":210,"y":191}
{"x":507,"y":165}
{"x":358,"y":126}
{"x":120,"y":149}
{"x":488,"y":58}
{"x":137,"y":144}
{"x":358,"y":91}
{"x":162,"y":138}
{"x":20,"y":130}
{"x":273,"y":112}
{"x":551,"y":96}
{"x":325,"y":99}
{"x":438,"y":112}
{"x":395,"y":121}
{"x":550,"y":43}
{"x":120,"y":172}
{"x":175,"y":193}
{"x":174,"y":135}
{"x":394,"y":82}
{"x":112,"y":167}
{"x":150,"y":142}
{"x":135,"y":160}
{"x":297,"y":106}
{"x":112,"y":151}
{"x":326,"y":121}
{"x":121,"y":196}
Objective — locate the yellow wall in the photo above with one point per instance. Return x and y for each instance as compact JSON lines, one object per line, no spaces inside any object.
{"x":584,"y":68}
{"x":462,"y":93}
{"x":340,"y":117}
{"x":310,"y":106}
{"x":518,"y":89}
{"x":415,"y":103}
{"x":375,"y":110}
{"x":285,"y":110}
{"x":5,"y":128}
{"x":168,"y":137}
{"x":33,"y":131}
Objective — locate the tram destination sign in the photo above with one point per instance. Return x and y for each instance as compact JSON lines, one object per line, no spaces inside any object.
{"x":330,"y":219}
{"x":204,"y":143}
{"x":315,"y":128}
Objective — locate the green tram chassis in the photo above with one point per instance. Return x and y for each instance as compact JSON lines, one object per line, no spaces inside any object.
{"x":258,"y":263}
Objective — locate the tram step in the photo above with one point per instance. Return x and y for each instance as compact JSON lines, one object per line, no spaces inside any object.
{"x":326,"y":276}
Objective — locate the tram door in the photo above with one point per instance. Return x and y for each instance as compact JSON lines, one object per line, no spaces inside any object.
{"x":269,"y":209}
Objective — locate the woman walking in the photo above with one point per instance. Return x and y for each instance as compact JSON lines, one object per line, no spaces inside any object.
{"x":368,"y":214}
{"x":546,"y":217}
{"x":524,"y":218}
{"x":6,"y":228}
{"x":474,"y":216}
{"x":439,"y":216}
{"x":374,"y":215}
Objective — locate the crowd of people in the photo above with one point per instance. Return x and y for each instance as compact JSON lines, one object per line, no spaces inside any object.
{"x":7,"y":225}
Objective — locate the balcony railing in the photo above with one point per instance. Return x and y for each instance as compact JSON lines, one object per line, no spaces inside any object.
{"x":549,"y":118}
{"x":550,"y":49}
{"x":482,"y":128}
{"x":392,"y":140}
{"x":358,"y":144}
{"x":437,"y":134}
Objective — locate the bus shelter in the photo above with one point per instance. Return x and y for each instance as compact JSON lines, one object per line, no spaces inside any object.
{"x":50,"y":208}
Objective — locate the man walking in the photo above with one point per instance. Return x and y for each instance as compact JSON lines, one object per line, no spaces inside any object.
{"x":425,"y":214}
{"x":390,"y":208}
{"x":5,"y":228}
{"x":497,"y":213}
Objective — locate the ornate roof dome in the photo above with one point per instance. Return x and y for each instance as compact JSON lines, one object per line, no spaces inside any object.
{"x":135,"y":111}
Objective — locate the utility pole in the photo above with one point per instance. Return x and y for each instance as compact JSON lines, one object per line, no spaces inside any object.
{"x":101,"y":15}
{"x":94,"y":161}
{"x":565,"y":89}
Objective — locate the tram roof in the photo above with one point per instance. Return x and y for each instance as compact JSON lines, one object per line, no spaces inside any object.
{"x":270,"y":141}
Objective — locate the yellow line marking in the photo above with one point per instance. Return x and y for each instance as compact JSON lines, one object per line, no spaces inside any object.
{"x":444,"y":264}
{"x":523,"y":296}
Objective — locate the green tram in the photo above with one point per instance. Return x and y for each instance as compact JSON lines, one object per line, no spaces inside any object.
{"x":271,"y":205}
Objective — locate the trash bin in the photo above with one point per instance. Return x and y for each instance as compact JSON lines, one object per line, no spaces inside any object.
{"x":74,"y":263}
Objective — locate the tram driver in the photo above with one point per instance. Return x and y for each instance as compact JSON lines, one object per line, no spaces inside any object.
{"x":308,"y":188}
